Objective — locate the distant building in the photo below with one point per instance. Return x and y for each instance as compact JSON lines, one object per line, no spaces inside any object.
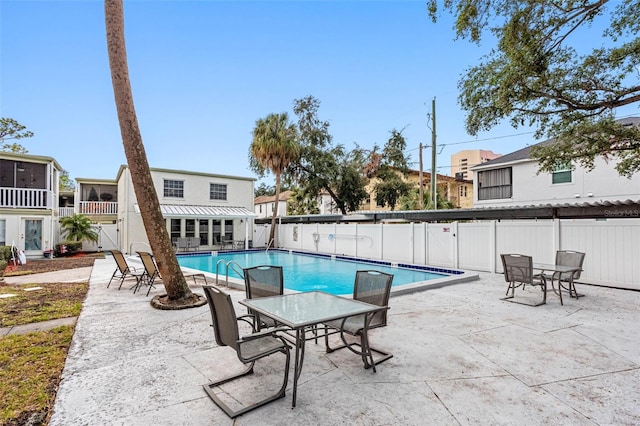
{"x":514,"y":180}
{"x":461,"y":162}
{"x":264,"y":205}
{"x":458,"y":192}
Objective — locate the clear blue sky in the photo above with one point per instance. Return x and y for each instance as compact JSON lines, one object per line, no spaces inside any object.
{"x":204,"y":71}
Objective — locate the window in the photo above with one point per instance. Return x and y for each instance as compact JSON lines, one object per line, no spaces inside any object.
{"x":189,"y":227}
{"x":217,"y":191}
{"x":217,"y":231}
{"x":495,"y":184}
{"x":3,"y":230}
{"x":366,"y":203}
{"x":32,"y":234}
{"x":175,"y":230}
{"x":174,"y":188}
{"x":561,"y":173}
{"x":228,"y":230}
{"x":204,"y":232}
{"x":19,"y":174}
{"x":463,"y":191}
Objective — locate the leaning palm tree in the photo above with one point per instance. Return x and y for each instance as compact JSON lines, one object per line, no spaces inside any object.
{"x":78,"y":228}
{"x":274,"y":147}
{"x":178,"y":292}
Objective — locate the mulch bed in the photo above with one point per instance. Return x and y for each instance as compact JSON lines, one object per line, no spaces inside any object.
{"x":79,"y":260}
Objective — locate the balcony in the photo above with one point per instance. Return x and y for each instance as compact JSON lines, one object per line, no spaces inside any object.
{"x":24,"y":198}
{"x":98,"y":207}
{"x":65,"y":211}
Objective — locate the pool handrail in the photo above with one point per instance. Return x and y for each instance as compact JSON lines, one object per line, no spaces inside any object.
{"x":239,"y":272}
{"x":227,"y":264}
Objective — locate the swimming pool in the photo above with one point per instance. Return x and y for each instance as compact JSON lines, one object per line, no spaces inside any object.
{"x":332,"y":274}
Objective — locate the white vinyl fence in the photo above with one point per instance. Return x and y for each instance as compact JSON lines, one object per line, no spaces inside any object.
{"x":612,"y":247}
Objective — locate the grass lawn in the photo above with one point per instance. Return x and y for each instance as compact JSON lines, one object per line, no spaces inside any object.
{"x":31,"y":364}
{"x":53,"y":301}
{"x":30,"y":368}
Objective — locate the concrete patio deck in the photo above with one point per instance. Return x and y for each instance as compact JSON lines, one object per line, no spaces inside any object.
{"x":461,"y":357}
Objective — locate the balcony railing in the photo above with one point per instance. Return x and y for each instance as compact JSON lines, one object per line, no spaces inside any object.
{"x":65,"y":211}
{"x":98,"y":207}
{"x":24,"y":198}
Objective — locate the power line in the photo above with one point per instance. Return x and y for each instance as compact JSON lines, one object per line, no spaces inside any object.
{"x":489,"y":139}
{"x":473,"y":140}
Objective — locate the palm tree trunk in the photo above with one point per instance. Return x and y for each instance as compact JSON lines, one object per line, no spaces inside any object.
{"x":272,"y":234}
{"x":146,"y":195}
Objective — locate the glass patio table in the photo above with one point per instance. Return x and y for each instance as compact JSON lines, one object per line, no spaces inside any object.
{"x":301,"y":312}
{"x":557,"y":271}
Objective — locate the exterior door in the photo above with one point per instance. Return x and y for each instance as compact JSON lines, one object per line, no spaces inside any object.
{"x":32,"y":236}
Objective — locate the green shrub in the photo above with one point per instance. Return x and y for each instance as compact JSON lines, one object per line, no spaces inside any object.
{"x":5,"y":253}
{"x":71,"y":248}
{"x":3,"y":265}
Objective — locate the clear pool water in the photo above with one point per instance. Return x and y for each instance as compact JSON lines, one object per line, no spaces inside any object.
{"x":304,"y":272}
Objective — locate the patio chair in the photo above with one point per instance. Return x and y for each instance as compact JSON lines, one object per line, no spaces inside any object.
{"x":518,"y":271}
{"x":193,"y":243}
{"x":371,"y":287}
{"x":151,"y":271}
{"x":182,"y":243}
{"x":263,"y":281}
{"x":123,"y":270}
{"x":217,"y":244}
{"x":567,"y":258}
{"x":249,"y":348}
{"x":227,"y":243}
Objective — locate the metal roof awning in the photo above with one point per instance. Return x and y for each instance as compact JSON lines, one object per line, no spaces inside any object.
{"x":595,"y":210}
{"x":206,"y":212}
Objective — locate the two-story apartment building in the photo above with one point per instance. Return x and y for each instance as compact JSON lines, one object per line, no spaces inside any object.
{"x":514,"y":180}
{"x":214,"y":209}
{"x":29,"y":202}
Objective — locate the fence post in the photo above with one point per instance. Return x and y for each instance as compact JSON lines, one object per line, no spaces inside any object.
{"x":454,"y":230}
{"x":492,"y":245}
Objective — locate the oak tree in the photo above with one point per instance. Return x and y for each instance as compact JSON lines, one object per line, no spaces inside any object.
{"x":539,"y":74}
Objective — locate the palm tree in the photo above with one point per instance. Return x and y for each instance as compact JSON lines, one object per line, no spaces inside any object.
{"x":178,"y":292}
{"x":78,"y":228}
{"x":273,"y":148}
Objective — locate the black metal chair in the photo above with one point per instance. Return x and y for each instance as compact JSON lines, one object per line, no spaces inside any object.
{"x":263,"y":281}
{"x":372,"y":287}
{"x":123,"y":270}
{"x":249,"y":348}
{"x":518,"y":271}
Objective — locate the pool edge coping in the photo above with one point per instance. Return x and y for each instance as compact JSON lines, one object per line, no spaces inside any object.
{"x":462,"y":276}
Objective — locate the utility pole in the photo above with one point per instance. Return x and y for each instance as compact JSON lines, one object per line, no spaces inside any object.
{"x":421,"y":196}
{"x":433,"y":155}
